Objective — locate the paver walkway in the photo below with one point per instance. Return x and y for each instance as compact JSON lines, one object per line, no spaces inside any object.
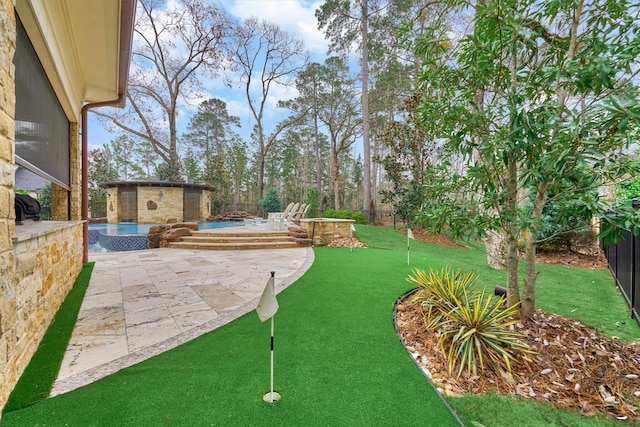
{"x":142,"y":303}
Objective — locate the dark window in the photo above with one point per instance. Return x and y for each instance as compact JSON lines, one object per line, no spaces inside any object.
{"x":191,"y":204}
{"x":128,"y":200}
{"x":41,"y":126}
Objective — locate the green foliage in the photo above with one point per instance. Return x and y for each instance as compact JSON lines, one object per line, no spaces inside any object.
{"x":473,"y":327}
{"x":169,"y":171}
{"x":438,"y":292}
{"x":629,"y":190}
{"x":21,"y":191}
{"x":563,"y":217}
{"x":477,"y":335}
{"x":623,"y":217}
{"x":271,"y":202}
{"x":311,"y":199}
{"x":411,"y":151}
{"x":44,"y":197}
{"x":358,"y":216}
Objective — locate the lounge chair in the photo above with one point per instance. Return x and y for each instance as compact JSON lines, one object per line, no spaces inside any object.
{"x":276,"y":219}
{"x":302,"y":212}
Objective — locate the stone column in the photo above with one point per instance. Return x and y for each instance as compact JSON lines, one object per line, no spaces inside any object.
{"x":59,"y":203}
{"x":75,"y":171}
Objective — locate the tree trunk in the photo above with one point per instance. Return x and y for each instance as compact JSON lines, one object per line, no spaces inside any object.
{"x":365,"y":114}
{"x":335,"y":179}
{"x":529,"y":292}
{"x":497,"y":250}
{"x":511,"y":235}
{"x":316,"y":134}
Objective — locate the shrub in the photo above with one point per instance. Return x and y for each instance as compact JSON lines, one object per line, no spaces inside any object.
{"x":271,"y":202}
{"x":311,"y":199}
{"x":473,"y":328}
{"x":438,"y":291}
{"x":358,"y":216}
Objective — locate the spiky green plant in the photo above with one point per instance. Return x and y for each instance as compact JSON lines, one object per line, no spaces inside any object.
{"x":474,"y":328}
{"x":438,"y":291}
{"x":477,"y":334}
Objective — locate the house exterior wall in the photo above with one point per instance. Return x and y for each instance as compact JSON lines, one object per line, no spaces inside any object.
{"x":8,"y":352}
{"x":37,"y":269}
{"x":112,"y":205}
{"x":168,"y":206}
{"x":205,"y":205}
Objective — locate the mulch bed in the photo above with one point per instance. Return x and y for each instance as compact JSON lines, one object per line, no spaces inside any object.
{"x":574,"y":366}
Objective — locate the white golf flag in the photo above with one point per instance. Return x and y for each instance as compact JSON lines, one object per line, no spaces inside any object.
{"x":410,"y":234}
{"x":353,"y":228}
{"x":268,"y":305}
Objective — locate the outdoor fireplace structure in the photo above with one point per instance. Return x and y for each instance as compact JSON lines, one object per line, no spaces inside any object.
{"x":154,"y":202}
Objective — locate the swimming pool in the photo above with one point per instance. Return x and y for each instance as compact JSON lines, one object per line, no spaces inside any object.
{"x":131,"y":236}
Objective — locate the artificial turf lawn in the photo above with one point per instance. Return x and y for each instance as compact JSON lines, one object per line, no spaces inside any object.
{"x":338,"y":361}
{"x":37,"y":379}
{"x":337,"y":358}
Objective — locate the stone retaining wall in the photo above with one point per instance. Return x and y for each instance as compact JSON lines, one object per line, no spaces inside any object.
{"x":44,"y":269}
{"x":323,"y":230}
{"x":8,"y":371}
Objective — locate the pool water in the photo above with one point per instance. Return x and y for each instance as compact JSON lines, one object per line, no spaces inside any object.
{"x":131,"y":236}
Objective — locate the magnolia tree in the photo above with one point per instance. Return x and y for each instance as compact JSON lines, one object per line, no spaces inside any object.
{"x":536,"y":101}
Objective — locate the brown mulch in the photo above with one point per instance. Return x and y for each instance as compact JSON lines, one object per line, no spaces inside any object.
{"x":574,"y":367}
{"x":595,"y":260}
{"x":436,"y":239}
{"x":345,"y":242}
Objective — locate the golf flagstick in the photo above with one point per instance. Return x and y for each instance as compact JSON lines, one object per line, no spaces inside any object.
{"x":267,"y":308}
{"x":351,"y":230}
{"x":409,"y":236}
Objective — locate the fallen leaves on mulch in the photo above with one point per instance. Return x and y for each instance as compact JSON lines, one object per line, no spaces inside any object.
{"x":437,"y":239}
{"x":574,"y":368}
{"x":594,"y":261}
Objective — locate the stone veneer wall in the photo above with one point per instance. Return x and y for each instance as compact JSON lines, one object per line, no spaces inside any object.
{"x":38,"y":271}
{"x":59,"y":203}
{"x":8,"y":367}
{"x":75,"y":166}
{"x":168,"y":206}
{"x":46,"y":266}
{"x":322,"y":230}
{"x":112,"y":206}
{"x":205,"y":205}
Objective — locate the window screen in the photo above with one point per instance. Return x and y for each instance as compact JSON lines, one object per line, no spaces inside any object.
{"x":41,"y":126}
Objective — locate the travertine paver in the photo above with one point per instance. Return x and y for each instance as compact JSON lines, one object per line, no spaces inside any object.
{"x":142,"y":303}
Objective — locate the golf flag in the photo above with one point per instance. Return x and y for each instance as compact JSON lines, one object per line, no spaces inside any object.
{"x":409,"y":236}
{"x":268,"y":305}
{"x":352,"y":230}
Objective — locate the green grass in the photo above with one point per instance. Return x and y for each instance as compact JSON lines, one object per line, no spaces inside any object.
{"x":37,"y":379}
{"x":338,"y":361}
{"x":492,"y":410}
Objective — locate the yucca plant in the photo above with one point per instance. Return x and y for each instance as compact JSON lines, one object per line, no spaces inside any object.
{"x":474,"y":328}
{"x":438,"y":291}
{"x":477,"y":334}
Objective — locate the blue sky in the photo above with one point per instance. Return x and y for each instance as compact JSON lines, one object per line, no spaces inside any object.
{"x":295,"y":16}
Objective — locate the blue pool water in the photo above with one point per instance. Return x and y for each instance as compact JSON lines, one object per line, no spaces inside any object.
{"x":131,"y":236}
